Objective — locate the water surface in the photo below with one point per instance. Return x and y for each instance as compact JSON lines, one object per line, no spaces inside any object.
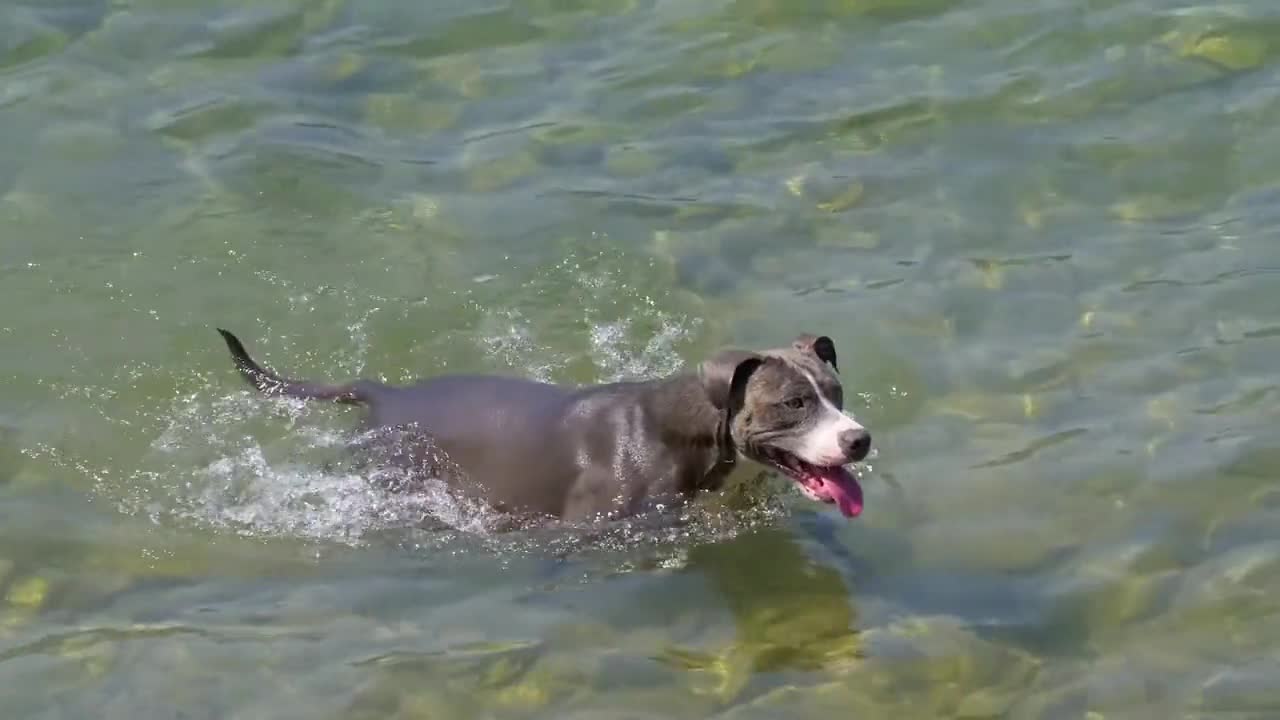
{"x":1042,"y":234}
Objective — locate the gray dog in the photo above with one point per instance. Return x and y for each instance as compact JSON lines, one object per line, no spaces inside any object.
{"x":538,"y":449}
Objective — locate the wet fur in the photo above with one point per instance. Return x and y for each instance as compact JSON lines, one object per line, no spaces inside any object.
{"x":543,"y":450}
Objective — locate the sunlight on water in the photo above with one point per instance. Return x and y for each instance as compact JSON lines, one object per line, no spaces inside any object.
{"x":1042,"y":236}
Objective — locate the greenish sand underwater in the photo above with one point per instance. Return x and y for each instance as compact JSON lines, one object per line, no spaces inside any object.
{"x":1043,"y":235}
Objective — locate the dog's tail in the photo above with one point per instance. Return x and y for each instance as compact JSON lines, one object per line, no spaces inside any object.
{"x":269,"y":383}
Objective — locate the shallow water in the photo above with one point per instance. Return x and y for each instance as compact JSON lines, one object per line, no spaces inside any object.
{"x":1042,"y":234}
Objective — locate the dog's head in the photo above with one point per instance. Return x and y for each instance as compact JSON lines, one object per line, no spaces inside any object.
{"x":784,"y":408}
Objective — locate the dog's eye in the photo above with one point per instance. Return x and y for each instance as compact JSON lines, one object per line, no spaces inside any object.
{"x":796,"y":403}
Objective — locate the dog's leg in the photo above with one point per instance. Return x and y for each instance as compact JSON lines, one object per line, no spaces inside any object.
{"x":402,"y":458}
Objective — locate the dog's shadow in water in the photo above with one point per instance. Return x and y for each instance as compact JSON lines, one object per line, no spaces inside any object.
{"x":785,"y":577}
{"x":787,"y":584}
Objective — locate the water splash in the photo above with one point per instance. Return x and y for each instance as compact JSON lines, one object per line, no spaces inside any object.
{"x":610,"y":343}
{"x":294,"y":483}
{"x":227,"y":463}
{"x":248,"y":495}
{"x":508,"y":337}
{"x":235,"y":462}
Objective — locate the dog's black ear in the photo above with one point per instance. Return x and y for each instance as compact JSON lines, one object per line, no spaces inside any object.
{"x":738,"y":385}
{"x":721,"y":373}
{"x":819,"y":345}
{"x":725,"y":378}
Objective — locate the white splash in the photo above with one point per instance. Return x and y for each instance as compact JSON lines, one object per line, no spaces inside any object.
{"x":275,"y":468}
{"x":618,"y":358}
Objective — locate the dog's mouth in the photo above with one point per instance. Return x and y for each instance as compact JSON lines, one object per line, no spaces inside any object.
{"x":831,"y":484}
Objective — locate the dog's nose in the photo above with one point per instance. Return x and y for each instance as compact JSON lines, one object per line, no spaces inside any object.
{"x":855,"y":443}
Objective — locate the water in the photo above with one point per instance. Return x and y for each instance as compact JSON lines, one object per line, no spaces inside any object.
{"x":1042,"y":234}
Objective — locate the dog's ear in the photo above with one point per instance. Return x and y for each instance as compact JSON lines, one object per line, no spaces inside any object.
{"x":738,"y":385}
{"x":725,"y":378}
{"x":726,"y":372}
{"x":819,"y":345}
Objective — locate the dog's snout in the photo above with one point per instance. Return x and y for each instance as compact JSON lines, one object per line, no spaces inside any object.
{"x":855,"y":444}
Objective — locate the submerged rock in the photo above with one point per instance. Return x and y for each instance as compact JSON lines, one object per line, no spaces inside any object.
{"x":1100,"y":592}
{"x":24,"y":37}
{"x":836,"y":699}
{"x":981,"y":543}
{"x":803,"y":52}
{"x":843,"y":199}
{"x":508,"y":677}
{"x":198,"y":118}
{"x":258,"y":31}
{"x":1124,"y":685}
{"x":938,"y":654}
{"x":1245,"y":573}
{"x":1231,"y":49}
{"x":28,"y":593}
{"x":917,"y":667}
{"x":405,"y":112}
{"x":629,"y":160}
{"x":985,"y":703}
{"x":94,"y":653}
{"x":839,"y":236}
{"x":1244,"y":690}
{"x":498,"y":173}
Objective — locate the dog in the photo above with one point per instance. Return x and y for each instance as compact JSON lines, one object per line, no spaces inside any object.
{"x":609,"y":451}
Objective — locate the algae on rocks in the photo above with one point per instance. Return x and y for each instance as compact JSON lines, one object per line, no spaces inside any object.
{"x":630,"y":160}
{"x":498,"y":173}
{"x":28,"y":593}
{"x":1245,"y":689}
{"x":916,"y":667}
{"x":1234,"y":50}
{"x":24,"y":37}
{"x":406,"y":112}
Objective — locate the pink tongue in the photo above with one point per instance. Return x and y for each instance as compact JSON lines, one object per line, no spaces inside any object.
{"x":840,"y":485}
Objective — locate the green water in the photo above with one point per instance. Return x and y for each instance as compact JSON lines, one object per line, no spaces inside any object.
{"x":1042,"y":234}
